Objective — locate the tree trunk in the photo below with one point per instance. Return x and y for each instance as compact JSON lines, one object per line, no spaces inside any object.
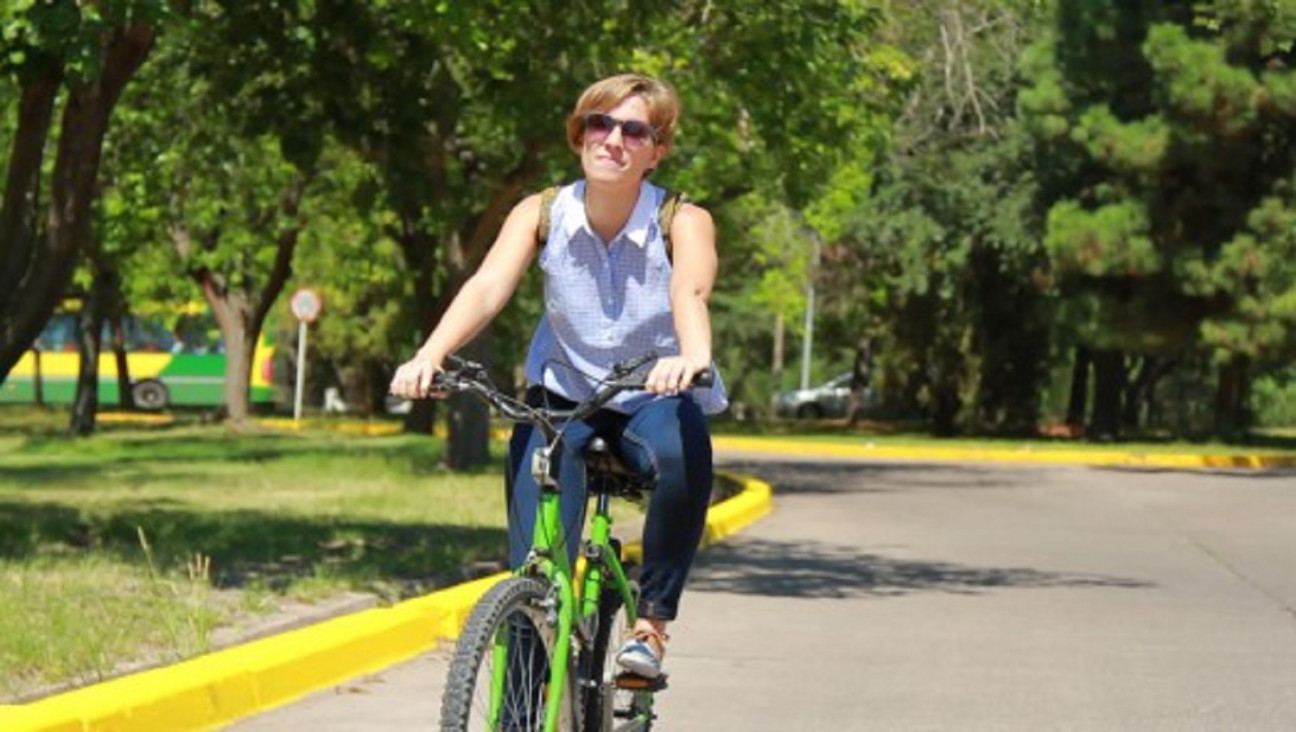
{"x":468,"y":428}
{"x":37,"y":265}
{"x":103,"y":302}
{"x":1232,"y":398}
{"x":25,"y":305}
{"x":112,"y":308}
{"x":1109,"y":384}
{"x":861,"y":375}
{"x":240,"y":321}
{"x":238,"y":371}
{"x":1164,"y":366}
{"x":468,"y":421}
{"x":241,"y":313}
{"x":945,"y":380}
{"x":777,"y":356}
{"x":38,"y":379}
{"x":1137,"y":410}
{"x":419,"y":249}
{"x":85,"y":406}
{"x":1131,"y":401}
{"x":117,"y":331}
{"x":1078,"y":403}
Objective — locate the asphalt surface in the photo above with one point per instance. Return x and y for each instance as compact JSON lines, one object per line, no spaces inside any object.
{"x":911,"y":596}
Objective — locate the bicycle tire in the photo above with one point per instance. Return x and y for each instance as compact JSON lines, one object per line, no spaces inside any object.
{"x":516,"y":606}
{"x":606,"y":707}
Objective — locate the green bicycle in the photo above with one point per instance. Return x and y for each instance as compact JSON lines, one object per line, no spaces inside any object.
{"x":537,"y":652}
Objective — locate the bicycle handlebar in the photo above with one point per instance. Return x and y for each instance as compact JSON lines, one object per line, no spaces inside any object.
{"x":468,"y":376}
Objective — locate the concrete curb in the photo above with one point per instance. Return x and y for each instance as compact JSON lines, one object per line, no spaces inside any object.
{"x":1006,"y":455}
{"x":227,"y":685}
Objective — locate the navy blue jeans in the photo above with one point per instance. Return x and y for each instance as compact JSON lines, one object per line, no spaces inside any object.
{"x":668,"y":443}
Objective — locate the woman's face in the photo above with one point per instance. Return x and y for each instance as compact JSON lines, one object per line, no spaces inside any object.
{"x":610,"y":153}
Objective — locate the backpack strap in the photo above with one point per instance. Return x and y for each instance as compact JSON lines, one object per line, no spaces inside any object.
{"x":670,"y":205}
{"x":547,"y":197}
{"x":665,"y":216}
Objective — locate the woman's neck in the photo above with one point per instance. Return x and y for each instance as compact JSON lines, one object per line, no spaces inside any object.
{"x":608,"y":208}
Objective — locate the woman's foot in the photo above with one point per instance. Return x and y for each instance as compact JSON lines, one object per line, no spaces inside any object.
{"x":642,"y":654}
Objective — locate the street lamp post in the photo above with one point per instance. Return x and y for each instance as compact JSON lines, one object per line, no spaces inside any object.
{"x":807,"y":346}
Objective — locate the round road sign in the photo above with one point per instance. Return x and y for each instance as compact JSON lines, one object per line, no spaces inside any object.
{"x":306,"y":305}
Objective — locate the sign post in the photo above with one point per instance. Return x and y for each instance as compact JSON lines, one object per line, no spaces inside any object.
{"x":306,"y":305}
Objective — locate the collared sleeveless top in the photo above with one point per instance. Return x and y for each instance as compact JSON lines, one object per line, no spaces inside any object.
{"x":605,"y":303}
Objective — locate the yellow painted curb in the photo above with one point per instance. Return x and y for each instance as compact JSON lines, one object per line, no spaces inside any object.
{"x":753,"y":502}
{"x":369,"y":428}
{"x":221,"y":687}
{"x":134,"y":418}
{"x":1019,"y":455}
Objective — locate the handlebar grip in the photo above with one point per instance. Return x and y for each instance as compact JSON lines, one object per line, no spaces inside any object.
{"x":704,"y":379}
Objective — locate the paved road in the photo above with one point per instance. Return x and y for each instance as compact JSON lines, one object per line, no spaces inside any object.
{"x":901,"y":596}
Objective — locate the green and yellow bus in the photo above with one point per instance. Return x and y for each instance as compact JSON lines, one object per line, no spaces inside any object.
{"x":180,"y":365}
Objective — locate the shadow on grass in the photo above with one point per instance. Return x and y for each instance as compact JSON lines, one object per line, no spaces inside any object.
{"x":252,"y":547}
{"x":807,"y":569}
{"x":137,"y":460}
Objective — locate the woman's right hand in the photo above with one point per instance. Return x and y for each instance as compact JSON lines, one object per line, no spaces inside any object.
{"x":413,"y":379}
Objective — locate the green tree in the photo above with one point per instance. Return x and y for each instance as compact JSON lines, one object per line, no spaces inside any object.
{"x":74,"y":59}
{"x":228,"y":198}
{"x":788,"y":107}
{"x":937,"y":265}
{"x":1169,"y":126}
{"x":347,"y":255}
{"x":453,"y":107}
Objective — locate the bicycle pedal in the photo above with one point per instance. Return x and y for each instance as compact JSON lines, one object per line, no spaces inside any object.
{"x":635,"y":682}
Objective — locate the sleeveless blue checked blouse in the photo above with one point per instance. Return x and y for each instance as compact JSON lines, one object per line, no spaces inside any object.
{"x":605,"y":304}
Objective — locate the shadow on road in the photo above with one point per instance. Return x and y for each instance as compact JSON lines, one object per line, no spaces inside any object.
{"x":817,"y":570}
{"x":855,"y":476}
{"x":1284,"y":474}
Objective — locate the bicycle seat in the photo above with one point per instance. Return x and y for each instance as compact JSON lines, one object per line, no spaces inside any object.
{"x":605,"y":473}
{"x":599,"y":457}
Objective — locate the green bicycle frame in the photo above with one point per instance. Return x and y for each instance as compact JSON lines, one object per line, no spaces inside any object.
{"x":552,"y":561}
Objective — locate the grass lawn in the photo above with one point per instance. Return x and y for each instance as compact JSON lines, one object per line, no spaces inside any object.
{"x":136,"y":543}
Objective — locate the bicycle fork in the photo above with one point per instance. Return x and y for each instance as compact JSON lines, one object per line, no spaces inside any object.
{"x":549,"y":558}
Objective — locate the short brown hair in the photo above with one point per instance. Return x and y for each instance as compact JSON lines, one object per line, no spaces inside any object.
{"x":663,"y":105}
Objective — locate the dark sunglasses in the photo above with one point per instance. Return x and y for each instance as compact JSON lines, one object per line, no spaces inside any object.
{"x":635,"y":133}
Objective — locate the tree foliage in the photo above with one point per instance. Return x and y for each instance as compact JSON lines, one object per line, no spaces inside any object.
{"x":1000,"y":190}
{"x":71,"y":60}
{"x":940,"y":255}
{"x":1170,"y":128}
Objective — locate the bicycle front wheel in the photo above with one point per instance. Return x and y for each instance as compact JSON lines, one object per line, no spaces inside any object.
{"x":499,"y":678}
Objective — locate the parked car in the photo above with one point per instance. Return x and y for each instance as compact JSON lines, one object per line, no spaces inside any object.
{"x":829,"y":399}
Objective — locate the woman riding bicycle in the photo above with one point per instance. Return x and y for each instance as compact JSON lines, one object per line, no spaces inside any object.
{"x":613,"y":290}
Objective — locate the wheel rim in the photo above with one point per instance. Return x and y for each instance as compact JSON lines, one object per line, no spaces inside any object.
{"x":522,"y":647}
{"x":808,"y":411}
{"x":150,"y":395}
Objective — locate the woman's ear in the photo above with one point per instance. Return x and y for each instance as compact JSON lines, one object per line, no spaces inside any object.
{"x":659,"y":152}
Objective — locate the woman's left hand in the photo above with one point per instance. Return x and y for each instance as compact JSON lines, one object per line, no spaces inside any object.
{"x":671,"y":375}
